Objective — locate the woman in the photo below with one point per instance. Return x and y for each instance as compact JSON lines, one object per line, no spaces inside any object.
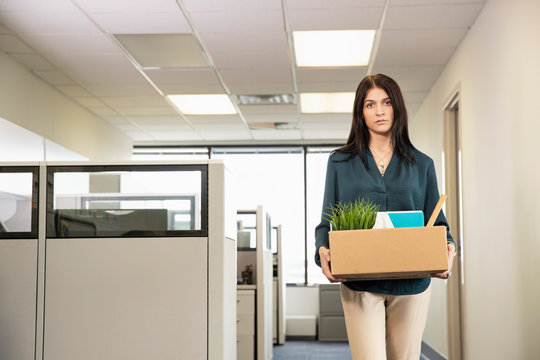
{"x":385,"y":318}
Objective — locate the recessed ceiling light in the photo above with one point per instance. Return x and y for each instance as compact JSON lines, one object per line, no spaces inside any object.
{"x":313,"y":103}
{"x":333,"y":48}
{"x":206,"y":104}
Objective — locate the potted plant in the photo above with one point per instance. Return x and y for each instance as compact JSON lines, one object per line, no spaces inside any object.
{"x":354,"y":215}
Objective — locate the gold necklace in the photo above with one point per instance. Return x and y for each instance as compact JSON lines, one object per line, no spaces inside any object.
{"x":381,"y":160}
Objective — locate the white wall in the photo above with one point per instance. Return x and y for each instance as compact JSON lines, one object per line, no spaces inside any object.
{"x":29,"y":102}
{"x":497,"y":68}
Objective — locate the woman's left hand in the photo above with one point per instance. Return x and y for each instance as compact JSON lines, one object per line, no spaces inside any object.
{"x":451,"y":251}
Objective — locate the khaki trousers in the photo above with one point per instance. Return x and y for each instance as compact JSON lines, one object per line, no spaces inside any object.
{"x":381,"y":327}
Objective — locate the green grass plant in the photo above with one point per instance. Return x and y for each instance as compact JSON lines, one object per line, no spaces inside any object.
{"x":354,"y":215}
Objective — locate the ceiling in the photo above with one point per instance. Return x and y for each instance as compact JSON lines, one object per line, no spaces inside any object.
{"x":247,"y":49}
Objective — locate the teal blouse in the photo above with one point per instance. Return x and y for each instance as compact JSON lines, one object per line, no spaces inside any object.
{"x":404,"y":187}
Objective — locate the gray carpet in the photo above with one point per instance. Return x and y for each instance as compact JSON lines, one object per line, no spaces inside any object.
{"x":312,"y":350}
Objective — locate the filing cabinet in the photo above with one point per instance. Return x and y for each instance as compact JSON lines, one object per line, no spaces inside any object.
{"x":245,"y":324}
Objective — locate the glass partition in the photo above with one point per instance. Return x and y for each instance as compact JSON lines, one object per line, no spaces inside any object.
{"x":127,"y":201}
{"x":19,"y":186}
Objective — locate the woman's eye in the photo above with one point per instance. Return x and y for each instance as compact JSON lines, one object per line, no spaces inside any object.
{"x":388,"y":103}
{"x":369,"y":106}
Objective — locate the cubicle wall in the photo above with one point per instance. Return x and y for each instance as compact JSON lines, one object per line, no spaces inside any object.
{"x":120,"y":265}
{"x":18,"y":260}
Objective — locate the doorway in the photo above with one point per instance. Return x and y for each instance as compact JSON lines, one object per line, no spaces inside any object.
{"x":453,"y":187}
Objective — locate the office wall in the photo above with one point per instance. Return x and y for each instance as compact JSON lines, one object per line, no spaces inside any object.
{"x":497,"y":71}
{"x":27,"y":101}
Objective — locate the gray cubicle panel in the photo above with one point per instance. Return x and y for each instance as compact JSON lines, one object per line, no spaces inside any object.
{"x":18,"y":260}
{"x":118,"y":269}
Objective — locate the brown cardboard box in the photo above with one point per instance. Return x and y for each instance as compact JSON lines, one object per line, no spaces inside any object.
{"x":388,"y":253}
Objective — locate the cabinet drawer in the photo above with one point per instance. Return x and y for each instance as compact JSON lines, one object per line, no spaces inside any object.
{"x":333,"y":328}
{"x":245,"y":324}
{"x":245,"y":349}
{"x":330,"y":301}
{"x":245,"y":302}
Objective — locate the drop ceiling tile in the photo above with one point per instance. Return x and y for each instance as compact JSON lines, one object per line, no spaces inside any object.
{"x":176,"y":135}
{"x":103,"y":111}
{"x":213,"y":119}
{"x":139,"y":136}
{"x":157,"y":120}
{"x":165,"y":128}
{"x":48,"y":22}
{"x":310,"y":75}
{"x":220,"y":5}
{"x":201,"y":127}
{"x":432,"y":2}
{"x":12,"y":44}
{"x":121,"y":89}
{"x":71,"y":43}
{"x":134,"y":101}
{"x":107,"y":77}
{"x":358,"y":18}
{"x":412,"y":78}
{"x":245,"y":41}
{"x":92,"y":102}
{"x":238,"y":20}
{"x":128,"y":127}
{"x":183,"y":76}
{"x":331,"y":4}
{"x":277,"y":135}
{"x":54,"y":77}
{"x":267,"y":118}
{"x":421,"y":39}
{"x":342,"y":86}
{"x":338,"y":126}
{"x":73,"y":91}
{"x":413,"y":58}
{"x":33,"y":61}
{"x":432,"y":16}
{"x":116,"y":120}
{"x":226,"y":135}
{"x":142,"y":23}
{"x":277,"y":110}
{"x":89,"y":61}
{"x":37,"y":5}
{"x":176,"y":89}
{"x":136,"y":111}
{"x":118,"y":6}
{"x":272,"y":59}
{"x":235,"y":76}
{"x":325,"y":135}
{"x":330,"y":118}
{"x":262,"y":88}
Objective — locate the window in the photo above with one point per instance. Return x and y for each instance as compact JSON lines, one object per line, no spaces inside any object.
{"x":139,"y":200}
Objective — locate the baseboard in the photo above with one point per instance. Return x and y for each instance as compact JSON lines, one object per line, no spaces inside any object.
{"x":428,"y":353}
{"x":300,"y":337}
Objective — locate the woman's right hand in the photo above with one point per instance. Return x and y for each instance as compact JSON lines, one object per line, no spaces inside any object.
{"x":324,"y":254}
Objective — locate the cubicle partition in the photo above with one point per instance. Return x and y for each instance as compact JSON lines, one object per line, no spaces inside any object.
{"x":130,"y":261}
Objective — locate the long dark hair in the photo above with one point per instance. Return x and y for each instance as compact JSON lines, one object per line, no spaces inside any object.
{"x":358,"y":141}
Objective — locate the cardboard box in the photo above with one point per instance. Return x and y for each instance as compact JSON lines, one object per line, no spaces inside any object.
{"x":388,"y":253}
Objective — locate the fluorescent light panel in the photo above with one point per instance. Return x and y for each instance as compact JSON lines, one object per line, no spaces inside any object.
{"x":207,"y":104}
{"x":333,"y":48}
{"x":315,"y":103}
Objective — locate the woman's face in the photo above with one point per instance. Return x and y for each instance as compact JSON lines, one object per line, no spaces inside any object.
{"x":378,"y":112}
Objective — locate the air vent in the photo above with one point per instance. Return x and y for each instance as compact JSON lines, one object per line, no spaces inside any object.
{"x":275,"y":99}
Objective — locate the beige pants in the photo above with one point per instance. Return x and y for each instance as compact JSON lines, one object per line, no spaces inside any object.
{"x":381,"y":326}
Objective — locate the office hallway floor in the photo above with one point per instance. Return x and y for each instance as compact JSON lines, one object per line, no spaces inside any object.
{"x":312,"y":350}
{"x":315,"y":350}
